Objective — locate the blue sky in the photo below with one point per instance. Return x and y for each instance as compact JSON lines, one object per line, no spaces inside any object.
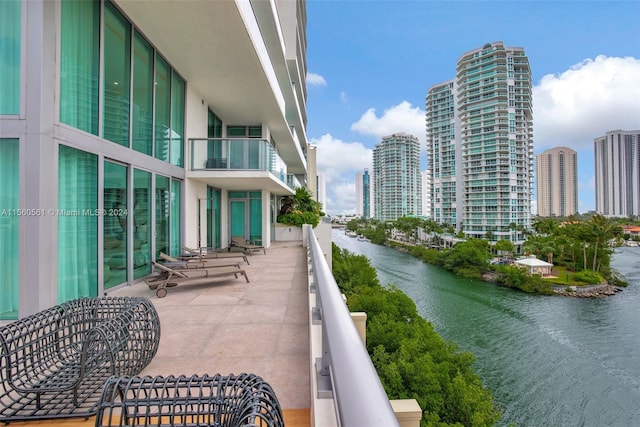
{"x":370,"y":64}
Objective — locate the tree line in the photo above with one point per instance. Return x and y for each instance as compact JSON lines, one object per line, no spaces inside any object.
{"x":581,"y":244}
{"x":412,"y":360}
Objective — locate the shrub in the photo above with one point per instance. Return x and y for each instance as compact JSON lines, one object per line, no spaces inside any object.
{"x":301,"y":209}
{"x":588,"y":276}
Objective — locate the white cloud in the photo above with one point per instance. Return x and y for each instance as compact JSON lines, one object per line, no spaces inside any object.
{"x":314,"y":79}
{"x":597,"y":95}
{"x":343,"y":97}
{"x":339,"y":161}
{"x":399,"y":118}
{"x":584,"y":102}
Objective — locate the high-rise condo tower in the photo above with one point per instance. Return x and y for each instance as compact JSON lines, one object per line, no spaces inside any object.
{"x":480,"y":144}
{"x":396,"y":174}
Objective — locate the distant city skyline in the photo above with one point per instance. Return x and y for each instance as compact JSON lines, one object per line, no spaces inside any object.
{"x":369,"y":73}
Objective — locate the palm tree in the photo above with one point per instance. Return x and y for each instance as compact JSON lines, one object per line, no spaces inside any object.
{"x":602,"y":230}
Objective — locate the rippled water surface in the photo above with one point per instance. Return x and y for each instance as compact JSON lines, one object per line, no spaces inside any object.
{"x":549,"y":360}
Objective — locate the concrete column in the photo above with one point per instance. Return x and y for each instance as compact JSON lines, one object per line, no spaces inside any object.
{"x":38,"y":162}
{"x":407,"y":412}
{"x":360,"y":320}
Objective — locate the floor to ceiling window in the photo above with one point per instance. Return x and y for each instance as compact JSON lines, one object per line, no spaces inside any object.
{"x":115,"y":224}
{"x":115,"y":85}
{"x":213,"y":217}
{"x":177,"y":120}
{"x":162,"y":109}
{"x":9,"y":227}
{"x":162,"y":215}
{"x":176,"y":196}
{"x":141,"y":223}
{"x":245,"y":215}
{"x":77,"y":224}
{"x":168,"y":218}
{"x":142,"y":111}
{"x":10,"y":57}
{"x":80,"y":64}
{"x":117,"y":76}
{"x":255,"y":217}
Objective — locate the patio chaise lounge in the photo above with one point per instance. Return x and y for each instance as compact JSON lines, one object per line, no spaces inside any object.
{"x":212,"y":254}
{"x":240,"y":242}
{"x":168,"y":277}
{"x":197,"y":262}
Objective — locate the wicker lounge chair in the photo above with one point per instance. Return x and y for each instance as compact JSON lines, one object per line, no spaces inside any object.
{"x":239,"y":242}
{"x":227,"y":401}
{"x":168,"y":277}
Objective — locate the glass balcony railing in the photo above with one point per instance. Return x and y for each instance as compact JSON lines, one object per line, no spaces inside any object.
{"x":293,"y":182}
{"x":237,"y":154}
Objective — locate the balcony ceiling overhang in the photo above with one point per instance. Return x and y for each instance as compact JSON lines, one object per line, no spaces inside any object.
{"x":208,"y":43}
{"x":249,"y":181}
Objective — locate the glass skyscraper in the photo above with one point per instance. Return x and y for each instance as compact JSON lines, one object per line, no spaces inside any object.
{"x":480,"y":144}
{"x":397,"y":183}
{"x":363,"y":194}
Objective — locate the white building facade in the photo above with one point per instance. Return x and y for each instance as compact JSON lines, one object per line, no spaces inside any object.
{"x":557,"y":182}
{"x":444,"y":154}
{"x":426,"y":193}
{"x":130,"y":128}
{"x":617,"y":161}
{"x":397,"y":187}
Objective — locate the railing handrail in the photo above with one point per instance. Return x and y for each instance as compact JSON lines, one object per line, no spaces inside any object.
{"x":360,"y":399}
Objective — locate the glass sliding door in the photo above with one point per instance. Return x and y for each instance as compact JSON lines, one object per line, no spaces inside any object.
{"x":141,"y":223}
{"x":79,"y":64}
{"x":115,"y":224}
{"x":9,"y":227}
{"x":162,"y":215}
{"x":245,"y":215}
{"x":117,"y":76}
{"x":237,"y":218}
{"x":213,"y":218}
{"x":78,"y":232}
{"x":255,"y":217}
{"x":176,"y":196}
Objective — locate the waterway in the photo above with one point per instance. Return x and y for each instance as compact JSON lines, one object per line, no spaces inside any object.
{"x":548,"y":360}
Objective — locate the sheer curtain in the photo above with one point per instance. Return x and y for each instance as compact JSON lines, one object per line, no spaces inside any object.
{"x":77,"y":232}
{"x":10,"y":57}
{"x":255,"y":217}
{"x":79,"y":64}
{"x":9,"y":231}
{"x":175,"y":217}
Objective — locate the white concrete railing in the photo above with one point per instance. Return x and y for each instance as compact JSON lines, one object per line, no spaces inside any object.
{"x":349,"y":392}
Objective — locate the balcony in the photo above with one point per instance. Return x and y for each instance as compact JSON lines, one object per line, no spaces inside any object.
{"x":240,"y":163}
{"x":290,"y":326}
